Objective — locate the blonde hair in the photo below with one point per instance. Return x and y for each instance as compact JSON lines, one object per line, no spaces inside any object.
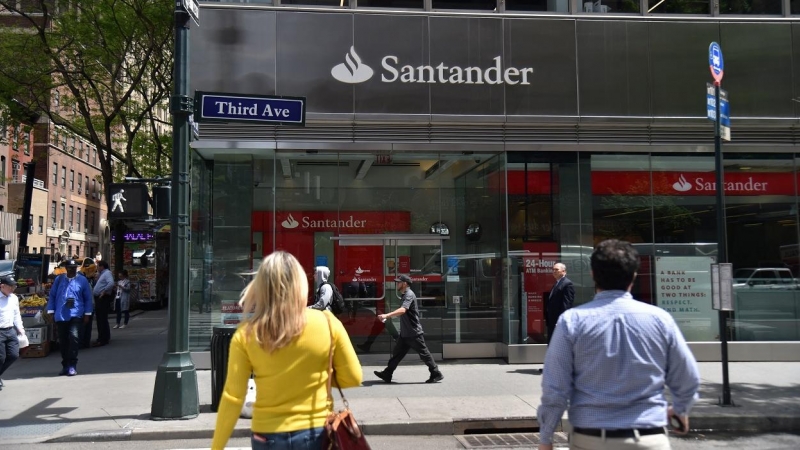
{"x":274,"y":301}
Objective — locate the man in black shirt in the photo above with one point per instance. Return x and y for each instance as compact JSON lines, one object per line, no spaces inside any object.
{"x":411,"y":334}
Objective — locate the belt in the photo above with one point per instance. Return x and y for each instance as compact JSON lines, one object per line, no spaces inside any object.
{"x":628,"y":433}
{"x":6,"y":328}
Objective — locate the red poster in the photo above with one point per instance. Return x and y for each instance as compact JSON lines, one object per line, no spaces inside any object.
{"x":404,"y":265}
{"x":537,"y":280}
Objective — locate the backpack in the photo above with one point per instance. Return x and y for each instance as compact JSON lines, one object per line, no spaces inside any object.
{"x":337,"y":301}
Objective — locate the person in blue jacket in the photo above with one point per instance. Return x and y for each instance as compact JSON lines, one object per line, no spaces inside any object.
{"x":70,"y":303}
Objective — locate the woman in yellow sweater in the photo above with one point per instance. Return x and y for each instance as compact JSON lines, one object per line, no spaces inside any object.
{"x":286,"y":346}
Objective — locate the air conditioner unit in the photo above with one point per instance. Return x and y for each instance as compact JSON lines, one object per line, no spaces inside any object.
{"x":70,"y":228}
{"x":53,"y":225}
{"x":79,"y":191}
{"x":85,"y":231}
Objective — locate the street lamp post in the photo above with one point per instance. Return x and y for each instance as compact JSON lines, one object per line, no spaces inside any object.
{"x":175,"y":395}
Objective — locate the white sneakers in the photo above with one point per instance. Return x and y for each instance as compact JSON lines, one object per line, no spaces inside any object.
{"x":119,"y":326}
{"x":115,"y":327}
{"x":123,"y":326}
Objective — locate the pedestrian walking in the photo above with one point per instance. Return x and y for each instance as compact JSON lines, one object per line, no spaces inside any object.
{"x":561,"y":298}
{"x":324,"y":294}
{"x":104,"y":296}
{"x":10,"y":324}
{"x":608,"y":363}
{"x":287,"y":347}
{"x":411,"y":334}
{"x":70,"y":304}
{"x":122,"y":300}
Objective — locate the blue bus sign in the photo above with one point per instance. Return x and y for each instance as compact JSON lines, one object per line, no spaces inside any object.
{"x":249,"y":108}
{"x":715,"y":62}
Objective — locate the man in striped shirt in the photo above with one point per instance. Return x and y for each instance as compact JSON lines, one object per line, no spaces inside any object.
{"x":608,"y":363}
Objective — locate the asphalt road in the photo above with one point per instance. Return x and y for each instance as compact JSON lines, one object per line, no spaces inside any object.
{"x":694,"y":442}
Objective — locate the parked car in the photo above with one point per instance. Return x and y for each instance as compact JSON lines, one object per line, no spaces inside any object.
{"x":7,"y":267}
{"x":144,"y":257}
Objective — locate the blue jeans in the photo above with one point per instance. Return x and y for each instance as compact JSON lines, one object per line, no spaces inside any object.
{"x":9,"y":348}
{"x":294,"y":440}
{"x":68,"y":342}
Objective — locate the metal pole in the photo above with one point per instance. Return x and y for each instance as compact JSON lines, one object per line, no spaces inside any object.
{"x":722,"y":249}
{"x":175,"y":395}
{"x":25,"y":221}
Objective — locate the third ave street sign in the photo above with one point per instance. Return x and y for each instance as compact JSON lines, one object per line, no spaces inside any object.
{"x":213,"y":106}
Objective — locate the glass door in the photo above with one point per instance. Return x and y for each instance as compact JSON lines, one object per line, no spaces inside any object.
{"x":367,"y":268}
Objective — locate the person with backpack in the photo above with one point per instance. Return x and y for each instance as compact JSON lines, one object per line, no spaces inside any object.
{"x":327,"y":297}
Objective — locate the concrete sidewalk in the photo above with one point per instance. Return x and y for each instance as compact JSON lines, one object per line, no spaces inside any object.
{"x":111,"y":398}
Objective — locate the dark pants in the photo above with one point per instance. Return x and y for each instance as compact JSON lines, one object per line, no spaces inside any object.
{"x":9,"y":348}
{"x":86,"y":333}
{"x":551,"y":328}
{"x":401,"y":348}
{"x":120,"y":312}
{"x":68,"y":332}
{"x":102,"y":306}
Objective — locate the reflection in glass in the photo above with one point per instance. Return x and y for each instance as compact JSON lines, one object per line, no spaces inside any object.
{"x":610,"y":6}
{"x":699,"y":7}
{"x":538,"y":5}
{"x":343,"y":3}
{"x":464,"y":4}
{"x":750,"y":7}
{"x":410,"y":4}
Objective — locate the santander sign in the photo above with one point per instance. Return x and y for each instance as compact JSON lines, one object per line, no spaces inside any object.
{"x":703,"y":184}
{"x":307,"y":222}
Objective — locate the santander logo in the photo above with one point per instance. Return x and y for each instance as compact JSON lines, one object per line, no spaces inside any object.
{"x":352,"y":70}
{"x":361,"y":271}
{"x":682,"y":185}
{"x":290,"y":223}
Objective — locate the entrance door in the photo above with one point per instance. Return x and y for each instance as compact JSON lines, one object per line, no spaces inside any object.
{"x":367,"y":266}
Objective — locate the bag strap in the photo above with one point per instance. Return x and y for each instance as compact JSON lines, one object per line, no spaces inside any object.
{"x":331,"y":373}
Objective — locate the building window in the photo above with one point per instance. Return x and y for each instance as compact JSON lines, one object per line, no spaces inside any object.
{"x":53,"y":214}
{"x":2,"y":171}
{"x":70,"y":217}
{"x":71,"y":180}
{"x":87,"y":186}
{"x":69,"y":251}
{"x":78,"y":217}
{"x":41,"y":224}
{"x":63,"y":176}
{"x":63,"y":214}
{"x":35,"y":249}
{"x":14,"y":171}
{"x":94,"y":186}
{"x":55,"y":174}
{"x":80,"y":182}
{"x":94,"y":156}
{"x":86,"y":221}
{"x":80,"y":150}
{"x":91,"y":224}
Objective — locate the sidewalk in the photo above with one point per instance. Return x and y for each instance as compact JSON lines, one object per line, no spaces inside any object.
{"x":111,"y":398}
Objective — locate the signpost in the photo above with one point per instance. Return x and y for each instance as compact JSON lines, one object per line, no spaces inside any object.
{"x":717,"y":66}
{"x":192,"y":8}
{"x":724,"y":108}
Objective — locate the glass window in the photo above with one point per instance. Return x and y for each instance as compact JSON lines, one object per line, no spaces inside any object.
{"x":63,"y":215}
{"x":87,"y":185}
{"x":464,"y":4}
{"x":86,"y":221}
{"x":55,"y":174}
{"x":751,"y":7}
{"x":610,"y":6}
{"x":71,"y":180}
{"x":53,"y":214}
{"x":80,"y":182}
{"x":71,"y":211}
{"x":15,"y":169}
{"x":538,"y":5}
{"x":91,"y":224}
{"x":410,"y":4}
{"x":2,"y":170}
{"x":41,"y":224}
{"x":699,"y":7}
{"x":63,"y":176}
{"x":78,"y":218}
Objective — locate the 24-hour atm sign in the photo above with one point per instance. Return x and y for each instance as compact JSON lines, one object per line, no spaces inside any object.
{"x":250,"y":108}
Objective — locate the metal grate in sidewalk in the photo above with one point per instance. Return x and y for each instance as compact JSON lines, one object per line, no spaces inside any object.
{"x":508,"y":440}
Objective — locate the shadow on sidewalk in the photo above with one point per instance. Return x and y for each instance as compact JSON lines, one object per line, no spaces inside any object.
{"x":137,"y":348}
{"x":44,"y":413}
{"x":776,"y":398}
{"x":527,"y":371}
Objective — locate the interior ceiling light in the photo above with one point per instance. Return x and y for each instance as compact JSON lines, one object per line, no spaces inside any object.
{"x":439,"y":167}
{"x":363,"y":168}
{"x":286,"y":168}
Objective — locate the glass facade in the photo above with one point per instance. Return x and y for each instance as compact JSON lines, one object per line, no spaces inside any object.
{"x":480,"y":232}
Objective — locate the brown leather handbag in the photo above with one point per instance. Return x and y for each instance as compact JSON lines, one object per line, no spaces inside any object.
{"x":341,"y":429}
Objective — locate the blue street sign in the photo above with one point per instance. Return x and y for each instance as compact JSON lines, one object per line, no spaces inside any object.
{"x":711,"y":106}
{"x":250,"y":108}
{"x":321,"y":260}
{"x":715,"y":62}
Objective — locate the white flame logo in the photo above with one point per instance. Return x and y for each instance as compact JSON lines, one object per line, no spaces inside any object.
{"x":290,"y":222}
{"x":360,"y":271}
{"x":682,"y":185}
{"x":352,"y":70}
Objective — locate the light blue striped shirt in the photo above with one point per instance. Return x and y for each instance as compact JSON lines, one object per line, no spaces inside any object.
{"x":608,"y":362}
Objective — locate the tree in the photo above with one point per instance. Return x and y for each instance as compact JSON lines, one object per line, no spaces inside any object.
{"x":110,"y":63}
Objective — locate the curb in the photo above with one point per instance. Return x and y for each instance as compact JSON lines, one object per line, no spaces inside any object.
{"x":447,"y":427}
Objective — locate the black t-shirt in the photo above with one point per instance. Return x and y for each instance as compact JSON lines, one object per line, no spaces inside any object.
{"x":409,"y":322}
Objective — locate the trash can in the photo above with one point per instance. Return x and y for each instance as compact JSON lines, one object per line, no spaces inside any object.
{"x":220,"y":347}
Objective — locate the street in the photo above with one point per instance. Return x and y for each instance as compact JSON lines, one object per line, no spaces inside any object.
{"x":693,"y":442}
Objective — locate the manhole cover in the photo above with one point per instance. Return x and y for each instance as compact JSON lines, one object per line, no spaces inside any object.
{"x":509,"y":440}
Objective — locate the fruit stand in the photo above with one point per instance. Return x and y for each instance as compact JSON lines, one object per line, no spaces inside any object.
{"x":31,"y":276}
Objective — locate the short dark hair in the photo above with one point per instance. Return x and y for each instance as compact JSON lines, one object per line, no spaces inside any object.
{"x":103,"y":264}
{"x":124,"y":272}
{"x":614,"y":265}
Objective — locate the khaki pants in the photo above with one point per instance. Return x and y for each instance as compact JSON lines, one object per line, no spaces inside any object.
{"x":579,"y":441}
